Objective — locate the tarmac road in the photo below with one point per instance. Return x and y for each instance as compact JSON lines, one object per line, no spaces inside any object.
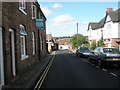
{"x":69,"y":71}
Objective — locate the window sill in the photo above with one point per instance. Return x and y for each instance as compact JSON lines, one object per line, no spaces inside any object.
{"x":22,"y":11}
{"x":24,"y":57}
{"x":33,"y":18}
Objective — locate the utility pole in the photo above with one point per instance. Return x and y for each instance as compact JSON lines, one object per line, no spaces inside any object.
{"x":77,"y":33}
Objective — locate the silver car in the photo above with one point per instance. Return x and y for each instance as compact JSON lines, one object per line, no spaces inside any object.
{"x":105,"y":54}
{"x":83,"y":51}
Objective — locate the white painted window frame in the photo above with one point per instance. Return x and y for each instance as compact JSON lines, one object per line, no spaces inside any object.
{"x":34,"y":11}
{"x":22,"y":6}
{"x":23,"y":39}
{"x":23,"y":55}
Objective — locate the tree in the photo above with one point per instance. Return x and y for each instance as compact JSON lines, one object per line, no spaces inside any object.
{"x":78,"y":40}
{"x":93,"y":45}
{"x":100,"y":42}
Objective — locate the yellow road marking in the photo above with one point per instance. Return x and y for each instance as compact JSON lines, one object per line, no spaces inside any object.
{"x":44,"y":76}
{"x":40,"y":82}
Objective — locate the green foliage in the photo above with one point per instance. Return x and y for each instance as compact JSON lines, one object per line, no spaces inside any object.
{"x":100,"y":42}
{"x":93,"y":45}
{"x":87,"y":45}
{"x":78,"y":40}
{"x":61,"y":37}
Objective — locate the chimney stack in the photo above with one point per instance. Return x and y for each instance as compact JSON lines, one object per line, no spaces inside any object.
{"x":109,"y":9}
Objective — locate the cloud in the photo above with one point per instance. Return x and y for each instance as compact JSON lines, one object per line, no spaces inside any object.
{"x":46,"y":11}
{"x":63,"y":19}
{"x":56,"y":5}
{"x":84,"y":23}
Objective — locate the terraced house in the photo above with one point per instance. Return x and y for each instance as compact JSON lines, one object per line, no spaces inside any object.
{"x":108,"y":28}
{"x":22,"y":38}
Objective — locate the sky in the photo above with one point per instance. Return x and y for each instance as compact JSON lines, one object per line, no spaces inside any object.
{"x":62,"y":17}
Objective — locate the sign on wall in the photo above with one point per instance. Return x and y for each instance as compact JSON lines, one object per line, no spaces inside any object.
{"x":39,"y":23}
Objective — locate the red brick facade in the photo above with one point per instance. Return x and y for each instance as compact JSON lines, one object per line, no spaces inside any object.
{"x":12,"y":18}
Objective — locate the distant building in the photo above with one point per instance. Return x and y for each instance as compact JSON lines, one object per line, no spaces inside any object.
{"x":108,"y":28}
{"x":64,"y":43}
{"x":22,"y":42}
{"x":51,"y":44}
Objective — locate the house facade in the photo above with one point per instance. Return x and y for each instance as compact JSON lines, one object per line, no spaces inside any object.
{"x":64,"y":43}
{"x":94,"y":34}
{"x":108,"y":28}
{"x":49,"y":41}
{"x":51,"y":44}
{"x":111,"y":31}
{"x":22,"y":42}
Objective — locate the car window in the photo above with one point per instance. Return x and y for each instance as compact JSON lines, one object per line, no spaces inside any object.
{"x":111,"y":50}
{"x":99,"y":50}
{"x":96,"y":49}
{"x":84,"y":48}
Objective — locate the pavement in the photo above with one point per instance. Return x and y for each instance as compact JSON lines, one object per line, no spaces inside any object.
{"x":28,"y":79}
{"x":72,"y":50}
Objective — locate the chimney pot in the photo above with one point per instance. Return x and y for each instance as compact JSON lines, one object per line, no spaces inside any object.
{"x":109,"y":9}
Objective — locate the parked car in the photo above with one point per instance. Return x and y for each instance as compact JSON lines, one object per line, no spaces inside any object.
{"x":83,"y":51}
{"x":104,"y":55}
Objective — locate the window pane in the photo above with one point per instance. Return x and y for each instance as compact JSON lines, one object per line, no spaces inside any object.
{"x":22,"y":42}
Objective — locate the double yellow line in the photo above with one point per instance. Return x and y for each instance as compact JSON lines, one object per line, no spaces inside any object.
{"x":42,"y":78}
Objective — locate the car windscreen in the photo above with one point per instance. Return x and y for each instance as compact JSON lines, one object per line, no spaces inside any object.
{"x":111,"y":50}
{"x":84,"y":48}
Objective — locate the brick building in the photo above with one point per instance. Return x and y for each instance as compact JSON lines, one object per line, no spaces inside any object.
{"x":22,"y":42}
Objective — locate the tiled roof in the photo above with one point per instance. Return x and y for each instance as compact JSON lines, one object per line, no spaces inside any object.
{"x":93,"y":25}
{"x":63,"y":41}
{"x":101,"y":23}
{"x":114,"y":15}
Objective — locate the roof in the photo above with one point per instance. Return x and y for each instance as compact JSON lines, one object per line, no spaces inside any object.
{"x":48,"y":37}
{"x":63,"y":41}
{"x":101,"y":23}
{"x":93,"y":25}
{"x":114,"y":15}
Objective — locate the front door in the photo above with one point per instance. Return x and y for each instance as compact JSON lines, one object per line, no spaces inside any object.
{"x":1,"y":60}
{"x":13,"y":67}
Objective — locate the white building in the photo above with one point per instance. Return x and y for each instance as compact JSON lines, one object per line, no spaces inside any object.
{"x":108,"y":27}
{"x":111,"y":31}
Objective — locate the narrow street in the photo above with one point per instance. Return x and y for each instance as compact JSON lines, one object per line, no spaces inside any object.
{"x":69,"y":71}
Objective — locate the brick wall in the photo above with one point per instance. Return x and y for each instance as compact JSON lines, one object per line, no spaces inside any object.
{"x":12,"y":17}
{"x":114,"y":44}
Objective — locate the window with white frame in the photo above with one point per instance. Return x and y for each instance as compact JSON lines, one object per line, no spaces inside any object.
{"x":33,"y":41}
{"x":22,"y":4}
{"x":23,"y":42}
{"x":33,"y":11}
